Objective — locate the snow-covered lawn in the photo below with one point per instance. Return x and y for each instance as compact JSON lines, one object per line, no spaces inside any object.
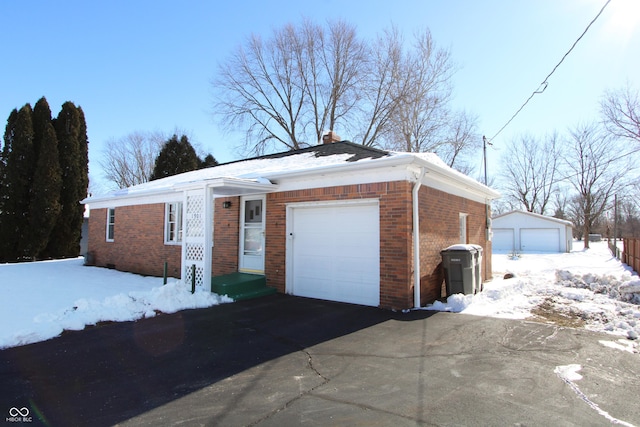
{"x":41,"y":299}
{"x":584,"y":288}
{"x":589,"y":289}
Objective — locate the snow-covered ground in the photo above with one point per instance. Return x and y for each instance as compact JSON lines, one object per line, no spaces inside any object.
{"x":41,"y":299}
{"x":584,"y":288}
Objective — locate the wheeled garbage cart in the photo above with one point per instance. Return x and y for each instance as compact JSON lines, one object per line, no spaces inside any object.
{"x":462,"y":273}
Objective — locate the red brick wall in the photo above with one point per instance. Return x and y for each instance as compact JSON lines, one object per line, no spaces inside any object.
{"x":139,"y":237}
{"x":139,"y":246}
{"x":138,"y":243}
{"x":395,"y":234}
{"x":225,"y":231}
{"x":440,"y":228}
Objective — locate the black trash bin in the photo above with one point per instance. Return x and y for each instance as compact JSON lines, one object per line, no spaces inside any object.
{"x":460,"y":263}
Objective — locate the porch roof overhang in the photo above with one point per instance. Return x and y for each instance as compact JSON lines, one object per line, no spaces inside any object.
{"x":221,"y":187}
{"x":227,"y":187}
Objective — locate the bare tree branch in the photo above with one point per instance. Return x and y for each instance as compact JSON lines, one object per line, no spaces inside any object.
{"x":129,"y":160}
{"x":621,"y":110}
{"x":597,"y":172}
{"x":530,"y":172}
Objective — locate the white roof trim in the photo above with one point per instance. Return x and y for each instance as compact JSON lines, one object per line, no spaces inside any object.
{"x":222,"y":187}
{"x":536,"y":215}
{"x":254,"y":176}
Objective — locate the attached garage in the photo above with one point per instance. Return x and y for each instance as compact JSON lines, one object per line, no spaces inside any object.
{"x":519,"y":231}
{"x":333,"y":251}
{"x":337,"y":221}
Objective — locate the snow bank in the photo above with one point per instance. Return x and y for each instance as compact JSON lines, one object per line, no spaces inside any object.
{"x":54,"y":296}
{"x":588,"y":287}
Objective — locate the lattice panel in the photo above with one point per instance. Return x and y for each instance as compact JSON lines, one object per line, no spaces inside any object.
{"x":194,"y":252}
{"x":195,"y":215}
{"x":199,"y":275}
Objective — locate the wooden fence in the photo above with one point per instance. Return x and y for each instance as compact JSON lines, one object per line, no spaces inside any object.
{"x":631,"y":253}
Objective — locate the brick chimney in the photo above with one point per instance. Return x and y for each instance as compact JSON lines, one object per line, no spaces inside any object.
{"x":330,"y":137}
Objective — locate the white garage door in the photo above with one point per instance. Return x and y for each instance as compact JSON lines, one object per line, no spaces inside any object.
{"x":540,"y":239}
{"x":333,"y":252}
{"x":502,"y":240}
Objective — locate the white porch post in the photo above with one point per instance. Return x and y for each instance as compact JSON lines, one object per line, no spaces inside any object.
{"x":197,"y":236}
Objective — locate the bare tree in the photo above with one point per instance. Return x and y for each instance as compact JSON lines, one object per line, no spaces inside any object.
{"x":381,"y":89}
{"x":596,"y":173}
{"x":530,"y":171}
{"x":129,"y":160}
{"x":561,"y":203}
{"x":286,"y":90}
{"x":421,"y":115}
{"x":461,"y":138}
{"x":621,"y":111}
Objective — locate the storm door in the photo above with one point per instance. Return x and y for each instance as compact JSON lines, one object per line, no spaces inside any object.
{"x":252,"y":234}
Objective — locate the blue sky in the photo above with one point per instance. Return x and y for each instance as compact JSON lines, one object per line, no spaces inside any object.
{"x":147,"y":65}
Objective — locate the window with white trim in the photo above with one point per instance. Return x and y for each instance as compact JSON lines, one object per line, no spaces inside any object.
{"x":111,"y":223}
{"x":173,"y":223}
{"x":463,"y":228}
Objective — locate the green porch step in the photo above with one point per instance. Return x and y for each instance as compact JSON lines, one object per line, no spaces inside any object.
{"x":239,"y":286}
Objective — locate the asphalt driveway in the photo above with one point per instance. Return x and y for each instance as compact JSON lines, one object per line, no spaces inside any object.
{"x":281,"y":360}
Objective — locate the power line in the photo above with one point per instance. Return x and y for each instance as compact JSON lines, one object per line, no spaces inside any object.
{"x":543,"y":86}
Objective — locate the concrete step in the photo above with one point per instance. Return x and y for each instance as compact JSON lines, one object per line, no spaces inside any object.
{"x":240,"y":286}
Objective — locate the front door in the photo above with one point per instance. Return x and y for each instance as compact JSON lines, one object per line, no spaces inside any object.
{"x":252,"y":222}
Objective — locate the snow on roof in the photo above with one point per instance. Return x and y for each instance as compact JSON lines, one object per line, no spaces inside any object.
{"x":536,"y":215}
{"x":260,"y":170}
{"x":252,"y":170}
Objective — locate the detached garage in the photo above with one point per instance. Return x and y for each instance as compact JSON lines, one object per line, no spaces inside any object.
{"x":519,"y":231}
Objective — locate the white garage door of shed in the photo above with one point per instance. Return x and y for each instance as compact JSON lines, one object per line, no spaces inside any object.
{"x":334,"y":252}
{"x":540,"y":239}
{"x":503,"y":239}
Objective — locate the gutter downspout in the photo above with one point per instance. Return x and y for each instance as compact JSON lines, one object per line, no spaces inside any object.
{"x":416,"y":238}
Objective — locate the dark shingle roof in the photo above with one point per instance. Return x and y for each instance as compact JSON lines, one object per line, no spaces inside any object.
{"x":357,"y":151}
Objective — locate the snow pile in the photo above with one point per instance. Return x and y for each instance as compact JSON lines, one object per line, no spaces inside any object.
{"x":623,"y":289}
{"x":584,"y":288}
{"x":54,"y":296}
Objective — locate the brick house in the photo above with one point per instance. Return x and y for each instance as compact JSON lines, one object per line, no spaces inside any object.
{"x":336,"y":221}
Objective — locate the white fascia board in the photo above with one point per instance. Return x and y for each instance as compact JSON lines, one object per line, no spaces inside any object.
{"x":149,"y":197}
{"x":402,"y":166}
{"x":229,"y":186}
{"x":339,"y":178}
{"x":455,"y":183}
{"x":221,"y":187}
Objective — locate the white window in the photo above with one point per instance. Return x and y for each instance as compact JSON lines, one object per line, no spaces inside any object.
{"x":111,"y":222}
{"x":463,"y":228}
{"x":173,"y":223}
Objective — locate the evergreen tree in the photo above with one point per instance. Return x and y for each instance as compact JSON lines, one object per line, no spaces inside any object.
{"x":45,"y":192}
{"x":208,"y":161}
{"x":71,"y":131}
{"x":17,"y":181}
{"x":176,"y":156}
{"x":5,"y":238}
{"x":4,"y":154}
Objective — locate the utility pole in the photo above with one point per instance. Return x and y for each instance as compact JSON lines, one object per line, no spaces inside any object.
{"x":484,"y":156}
{"x":486,"y":206}
{"x":615,"y":225}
